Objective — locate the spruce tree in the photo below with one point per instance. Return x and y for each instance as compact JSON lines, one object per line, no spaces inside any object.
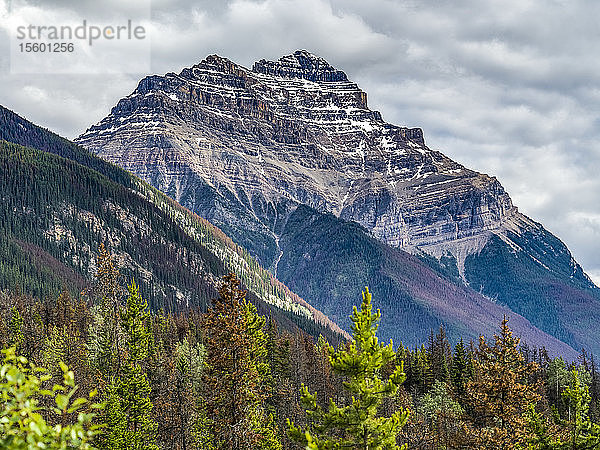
{"x":423,"y":372}
{"x":357,"y":425}
{"x":441,"y":355}
{"x":460,"y":374}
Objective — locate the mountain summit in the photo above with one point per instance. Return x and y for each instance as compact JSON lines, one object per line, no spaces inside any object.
{"x":303,"y":132}
{"x":300,"y":64}
{"x":245,"y":148}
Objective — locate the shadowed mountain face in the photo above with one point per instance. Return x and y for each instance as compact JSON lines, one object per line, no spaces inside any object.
{"x":245,"y":148}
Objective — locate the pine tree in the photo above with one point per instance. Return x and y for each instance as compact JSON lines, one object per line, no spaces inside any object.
{"x":501,"y":390}
{"x":128,"y":407}
{"x":358,"y":424}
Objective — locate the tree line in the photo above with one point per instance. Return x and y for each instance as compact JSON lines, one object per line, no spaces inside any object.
{"x":102,"y":371}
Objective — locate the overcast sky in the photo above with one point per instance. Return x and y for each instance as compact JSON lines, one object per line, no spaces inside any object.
{"x":507,"y":87}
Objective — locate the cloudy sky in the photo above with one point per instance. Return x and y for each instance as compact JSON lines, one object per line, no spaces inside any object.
{"x":507,"y":87}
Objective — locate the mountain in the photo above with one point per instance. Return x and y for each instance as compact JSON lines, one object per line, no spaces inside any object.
{"x":246,"y":148}
{"x":59,"y":203}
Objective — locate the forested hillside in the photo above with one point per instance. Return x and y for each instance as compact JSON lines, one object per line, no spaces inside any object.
{"x":127,"y":322}
{"x":321,"y":253}
{"x":55,"y":213}
{"x":229,"y":378}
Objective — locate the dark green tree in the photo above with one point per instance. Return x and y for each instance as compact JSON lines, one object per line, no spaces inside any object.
{"x":460,"y":371}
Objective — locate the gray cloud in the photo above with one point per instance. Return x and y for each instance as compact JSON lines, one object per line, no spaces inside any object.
{"x":507,"y":88}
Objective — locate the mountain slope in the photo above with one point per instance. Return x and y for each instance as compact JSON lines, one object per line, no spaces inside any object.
{"x":55,"y":212}
{"x":243,"y":148}
{"x":322,"y":253}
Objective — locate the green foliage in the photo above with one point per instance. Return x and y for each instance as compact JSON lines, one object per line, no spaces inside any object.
{"x":129,"y":420}
{"x":460,"y":370}
{"x":103,"y":341}
{"x":359,"y":424}
{"x":438,"y":402}
{"x":264,"y":426}
{"x":558,"y":378}
{"x":130,"y":424}
{"x":576,"y":431}
{"x":22,"y":422}
{"x":133,"y":320}
{"x":190,"y":363}
{"x":422,"y":372}
{"x":583,"y":433}
{"x":201,"y":433}
{"x":55,"y":348}
{"x":540,"y":437}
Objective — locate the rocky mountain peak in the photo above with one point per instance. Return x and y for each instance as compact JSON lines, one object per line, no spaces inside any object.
{"x":298,"y":129}
{"x":300,"y":64}
{"x":247,"y":148}
{"x":212,"y":63}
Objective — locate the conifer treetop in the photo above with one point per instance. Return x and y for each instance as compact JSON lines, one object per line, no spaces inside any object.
{"x":357,"y":425}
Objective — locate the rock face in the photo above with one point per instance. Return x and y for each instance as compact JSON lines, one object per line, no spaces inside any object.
{"x":243,"y":148}
{"x":297,"y":129}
